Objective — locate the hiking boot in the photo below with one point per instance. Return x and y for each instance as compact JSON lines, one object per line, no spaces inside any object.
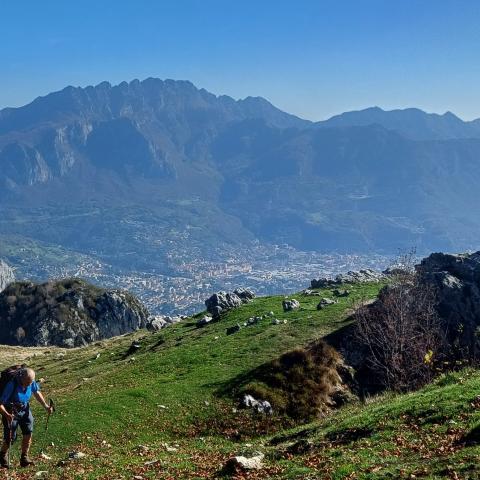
{"x":3,"y":460}
{"x":25,"y":461}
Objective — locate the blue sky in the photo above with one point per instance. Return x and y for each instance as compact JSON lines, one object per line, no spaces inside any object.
{"x":311,"y":58}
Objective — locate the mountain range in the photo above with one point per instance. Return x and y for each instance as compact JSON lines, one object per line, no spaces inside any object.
{"x":140,"y":171}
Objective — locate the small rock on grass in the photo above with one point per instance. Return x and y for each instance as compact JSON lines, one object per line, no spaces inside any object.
{"x":76,"y":455}
{"x":235,"y":464}
{"x":41,"y":474}
{"x":142,"y":448}
{"x":234,"y":329}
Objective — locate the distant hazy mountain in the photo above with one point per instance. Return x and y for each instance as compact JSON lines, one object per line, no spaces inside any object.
{"x":146,"y":172}
{"x":411,"y":122}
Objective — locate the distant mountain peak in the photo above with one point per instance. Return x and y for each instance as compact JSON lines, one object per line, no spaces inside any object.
{"x":411,"y":122}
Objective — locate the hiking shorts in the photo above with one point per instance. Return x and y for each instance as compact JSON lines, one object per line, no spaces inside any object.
{"x":23,"y":419}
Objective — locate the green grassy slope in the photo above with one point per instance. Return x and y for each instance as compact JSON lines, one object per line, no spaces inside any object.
{"x":161,"y":405}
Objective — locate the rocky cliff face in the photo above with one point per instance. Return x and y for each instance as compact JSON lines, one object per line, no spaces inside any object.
{"x":6,"y":275}
{"x":456,"y":279}
{"x":67,"y":313}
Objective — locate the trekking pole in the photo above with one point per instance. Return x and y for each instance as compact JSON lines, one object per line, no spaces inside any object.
{"x":10,"y":441}
{"x":51,"y":404}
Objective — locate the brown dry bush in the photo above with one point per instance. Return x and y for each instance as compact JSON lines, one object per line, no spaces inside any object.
{"x":401,"y":334}
{"x":302,"y":384}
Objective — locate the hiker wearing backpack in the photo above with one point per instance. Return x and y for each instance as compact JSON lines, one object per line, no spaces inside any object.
{"x":19,"y":386}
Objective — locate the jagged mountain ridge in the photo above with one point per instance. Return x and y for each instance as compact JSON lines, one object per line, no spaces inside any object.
{"x":155,"y":123}
{"x":159,"y":166}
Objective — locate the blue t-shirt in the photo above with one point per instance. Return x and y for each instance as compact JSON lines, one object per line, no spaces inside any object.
{"x":15,"y":393}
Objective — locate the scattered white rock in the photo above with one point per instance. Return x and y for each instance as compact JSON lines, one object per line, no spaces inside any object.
{"x":261,"y":406}
{"x":41,"y":474}
{"x":76,"y":455}
{"x":289,"y":305}
{"x":205,"y":320}
{"x":244,"y":463}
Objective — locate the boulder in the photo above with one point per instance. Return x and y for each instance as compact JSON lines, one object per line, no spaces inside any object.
{"x":75,"y":455}
{"x":324,"y":302}
{"x":134,"y":347}
{"x":223,"y":301}
{"x":311,"y":293}
{"x":240,"y":463}
{"x":289,"y":305}
{"x":245,"y":294}
{"x":205,"y":320}
{"x":234,"y":329}
{"x":260,"y":406}
{"x":156,"y":323}
{"x":341,"y":293}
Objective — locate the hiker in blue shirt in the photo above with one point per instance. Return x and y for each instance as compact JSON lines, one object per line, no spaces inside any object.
{"x":15,"y":410}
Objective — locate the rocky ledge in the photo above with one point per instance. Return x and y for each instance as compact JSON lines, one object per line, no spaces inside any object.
{"x":456,"y":282}
{"x":67,"y":313}
{"x":362,"y":276}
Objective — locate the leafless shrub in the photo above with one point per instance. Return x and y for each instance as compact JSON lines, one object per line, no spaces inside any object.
{"x":401,"y":332}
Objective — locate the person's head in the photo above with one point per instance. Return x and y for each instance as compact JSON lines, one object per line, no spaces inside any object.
{"x":26,"y":376}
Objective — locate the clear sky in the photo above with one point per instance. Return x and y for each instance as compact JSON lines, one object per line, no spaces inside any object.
{"x":311,"y":58}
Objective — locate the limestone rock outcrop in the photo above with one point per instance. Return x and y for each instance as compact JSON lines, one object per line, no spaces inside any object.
{"x":456,"y":280}
{"x":223,"y":301}
{"x":67,"y":313}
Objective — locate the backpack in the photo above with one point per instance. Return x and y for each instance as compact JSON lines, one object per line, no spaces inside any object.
{"x":7,"y":375}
